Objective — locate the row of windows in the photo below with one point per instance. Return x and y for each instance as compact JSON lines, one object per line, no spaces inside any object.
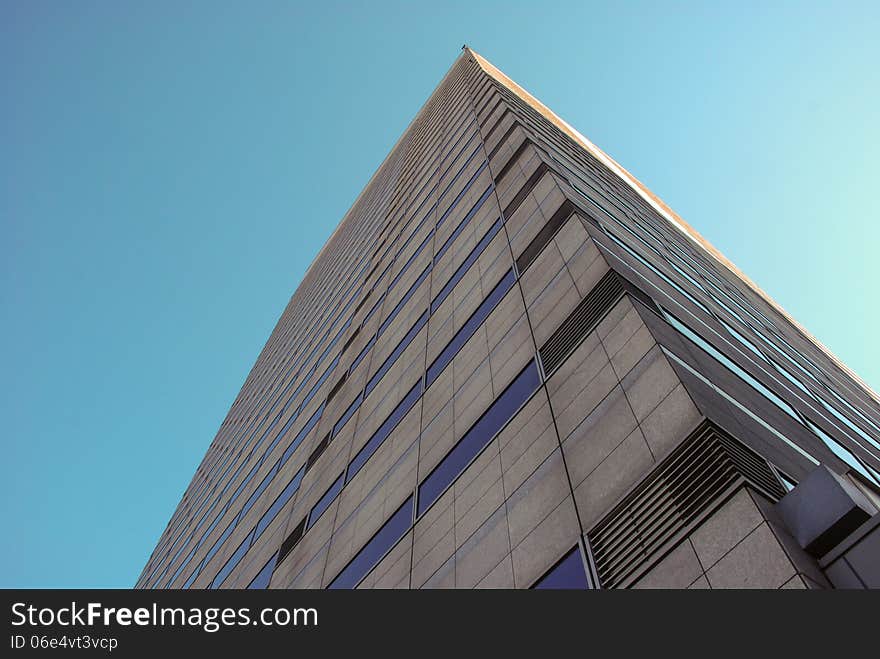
{"x":463,"y":106}
{"x":479,"y":431}
{"x":717,"y":284}
{"x":463,"y":109}
{"x":471,"y":444}
{"x":399,"y":523}
{"x":460,"y":86}
{"x":567,"y":574}
{"x":456,"y":343}
{"x":836,"y":447}
{"x":267,"y":414}
{"x":219,"y":465}
{"x":742,"y":340}
{"x":340,"y":333}
{"x":714,"y":281}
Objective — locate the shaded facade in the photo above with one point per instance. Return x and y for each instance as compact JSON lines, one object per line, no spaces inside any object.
{"x":512,"y":366}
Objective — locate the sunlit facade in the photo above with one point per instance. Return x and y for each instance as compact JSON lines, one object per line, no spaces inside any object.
{"x":512,"y":366}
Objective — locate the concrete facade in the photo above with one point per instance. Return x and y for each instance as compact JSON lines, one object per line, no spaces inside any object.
{"x":499,"y":350}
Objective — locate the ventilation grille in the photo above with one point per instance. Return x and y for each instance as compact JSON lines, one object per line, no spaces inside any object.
{"x":581,"y":321}
{"x":670,"y":501}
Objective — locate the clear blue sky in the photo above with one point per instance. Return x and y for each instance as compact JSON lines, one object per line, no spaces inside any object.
{"x":169,"y":169}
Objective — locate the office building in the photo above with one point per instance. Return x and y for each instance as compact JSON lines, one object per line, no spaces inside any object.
{"x":513,"y":366}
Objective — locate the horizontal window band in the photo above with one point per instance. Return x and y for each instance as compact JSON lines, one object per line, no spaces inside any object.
{"x":337,"y":387}
{"x":526,"y":190}
{"x":478,"y":436}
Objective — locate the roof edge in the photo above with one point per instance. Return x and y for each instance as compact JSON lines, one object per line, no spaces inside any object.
{"x":660,"y":206}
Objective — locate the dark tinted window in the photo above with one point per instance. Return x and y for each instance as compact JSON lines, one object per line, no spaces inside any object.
{"x":465,"y":266}
{"x":279,"y":502}
{"x":262,"y":579}
{"x":475,"y":439}
{"x":462,"y":224}
{"x":348,"y":414}
{"x":260,"y":489}
{"x":233,"y":561}
{"x":470,"y":327}
{"x":301,"y":435}
{"x":362,"y":354}
{"x":326,"y":500}
{"x":404,"y":299}
{"x":376,"y":548}
{"x":404,"y":343}
{"x":384,"y":430}
{"x":566,"y":574}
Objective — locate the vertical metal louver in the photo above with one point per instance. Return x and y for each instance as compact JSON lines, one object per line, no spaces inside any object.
{"x":581,"y":321}
{"x":672,"y":500}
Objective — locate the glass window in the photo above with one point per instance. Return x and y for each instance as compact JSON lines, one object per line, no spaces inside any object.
{"x":744,"y":341}
{"x":742,"y":408}
{"x":384,"y":430}
{"x":657,"y":271}
{"x":361,"y":354}
{"x":373,"y":310}
{"x":392,"y":531}
{"x":404,"y":299}
{"x":279,"y":502}
{"x":470,"y":327}
{"x":411,"y":259}
{"x":219,"y":542}
{"x":844,"y":453}
{"x":192,"y":577}
{"x":465,"y":266}
{"x":460,"y":169}
{"x":340,"y":424}
{"x":479,"y":435}
{"x":567,"y":574}
{"x":301,"y":435}
{"x":232,"y":562}
{"x":260,"y":489}
{"x":244,"y":483}
{"x":261,"y":581}
{"x":793,"y":380}
{"x":389,"y":362}
{"x":181,"y":567}
{"x":463,"y":192}
{"x":731,"y":365}
{"x":461,"y":225}
{"x":320,"y":381}
{"x":849,"y":424}
{"x":325,"y":501}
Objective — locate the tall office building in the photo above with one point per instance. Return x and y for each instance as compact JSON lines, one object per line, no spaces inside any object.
{"x":513,"y":366}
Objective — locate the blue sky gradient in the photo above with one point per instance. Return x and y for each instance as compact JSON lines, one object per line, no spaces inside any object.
{"x":169,"y":170}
